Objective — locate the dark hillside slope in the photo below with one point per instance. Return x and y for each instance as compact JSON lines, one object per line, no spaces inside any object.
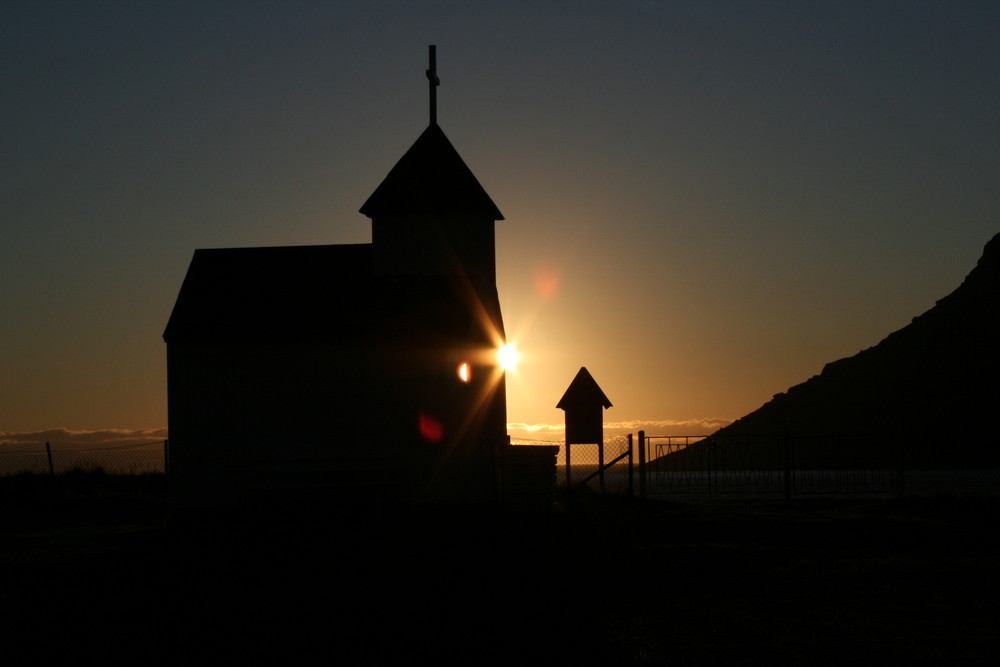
{"x":931,"y":387}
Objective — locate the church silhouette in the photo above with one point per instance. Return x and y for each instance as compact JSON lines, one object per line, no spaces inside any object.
{"x":370,"y":369}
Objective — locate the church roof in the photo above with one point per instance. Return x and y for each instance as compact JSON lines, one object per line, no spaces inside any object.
{"x":430,"y":178}
{"x":326,"y":293}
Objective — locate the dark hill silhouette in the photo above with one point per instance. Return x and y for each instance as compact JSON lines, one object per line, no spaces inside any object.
{"x":930,"y":388}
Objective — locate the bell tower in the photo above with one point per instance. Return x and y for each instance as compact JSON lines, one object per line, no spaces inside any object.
{"x":430,"y":216}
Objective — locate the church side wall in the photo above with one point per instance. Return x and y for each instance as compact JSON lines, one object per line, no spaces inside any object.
{"x":234,"y":408}
{"x":237,"y":412}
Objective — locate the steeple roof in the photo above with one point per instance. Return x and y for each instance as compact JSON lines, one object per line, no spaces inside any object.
{"x":430,"y":178}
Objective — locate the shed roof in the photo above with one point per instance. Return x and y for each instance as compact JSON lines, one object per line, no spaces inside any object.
{"x":430,"y":178}
{"x":583,"y":392}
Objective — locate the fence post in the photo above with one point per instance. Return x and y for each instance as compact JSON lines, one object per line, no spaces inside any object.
{"x":631,"y":469}
{"x":642,"y":464}
{"x":48,"y":452}
{"x":713,"y":447}
{"x":569,"y":483}
{"x":600,"y":464}
{"x":898,"y":455}
{"x":787,"y":442}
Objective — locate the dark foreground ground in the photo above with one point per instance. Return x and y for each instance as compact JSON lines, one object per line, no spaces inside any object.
{"x":98,"y":569}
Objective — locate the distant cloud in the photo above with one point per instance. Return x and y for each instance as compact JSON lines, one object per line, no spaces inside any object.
{"x":63,"y":438}
{"x":555,"y":432}
{"x":676,"y":426}
{"x":532,"y":428}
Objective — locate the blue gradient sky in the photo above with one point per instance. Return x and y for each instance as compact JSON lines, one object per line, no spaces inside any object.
{"x":718,"y":197}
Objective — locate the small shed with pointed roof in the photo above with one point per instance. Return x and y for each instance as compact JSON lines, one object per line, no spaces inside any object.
{"x":584,"y":403}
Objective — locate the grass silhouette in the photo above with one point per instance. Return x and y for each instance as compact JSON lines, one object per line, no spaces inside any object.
{"x":102,"y":564}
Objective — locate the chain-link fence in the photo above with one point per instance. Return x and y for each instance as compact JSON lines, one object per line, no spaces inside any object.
{"x":603,"y":467}
{"x":132,"y":459}
{"x":762,"y":465}
{"x":788,"y":465}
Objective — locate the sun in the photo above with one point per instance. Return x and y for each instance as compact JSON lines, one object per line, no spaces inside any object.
{"x":508,"y":356}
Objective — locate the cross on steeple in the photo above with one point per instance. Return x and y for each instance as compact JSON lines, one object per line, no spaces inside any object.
{"x":434,"y":82}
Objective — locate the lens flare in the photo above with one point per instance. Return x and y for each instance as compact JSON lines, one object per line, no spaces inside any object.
{"x":465,"y":372}
{"x":546,"y":282}
{"x":508,"y":356}
{"x":431,"y":429}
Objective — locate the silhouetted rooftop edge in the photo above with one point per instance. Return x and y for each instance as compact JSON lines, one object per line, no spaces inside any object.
{"x":323,"y":291}
{"x":430,"y":178}
{"x":583,"y":390}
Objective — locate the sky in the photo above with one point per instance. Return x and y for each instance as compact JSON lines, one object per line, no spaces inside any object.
{"x":704,"y":202}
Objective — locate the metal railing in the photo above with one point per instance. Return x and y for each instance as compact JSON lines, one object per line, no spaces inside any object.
{"x":768,"y":465}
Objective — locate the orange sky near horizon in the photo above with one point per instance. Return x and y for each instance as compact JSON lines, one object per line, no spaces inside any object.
{"x":704,"y":202}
